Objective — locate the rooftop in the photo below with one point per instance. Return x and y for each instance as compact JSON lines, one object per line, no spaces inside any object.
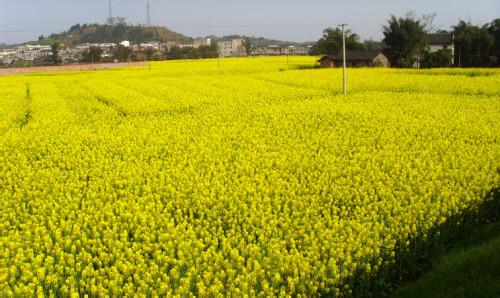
{"x":354,"y":55}
{"x":441,"y":38}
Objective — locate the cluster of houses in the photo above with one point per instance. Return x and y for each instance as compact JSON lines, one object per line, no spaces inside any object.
{"x":435,"y":42}
{"x":226,"y":48}
{"x":24,"y":53}
{"x":39,"y":53}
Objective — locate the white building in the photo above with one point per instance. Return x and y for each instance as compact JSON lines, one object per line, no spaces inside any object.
{"x":30,"y":53}
{"x":125,"y":43}
{"x":443,"y":41}
{"x":7,"y":56}
{"x":105,"y":45}
{"x":155,"y":45}
{"x":275,"y":50}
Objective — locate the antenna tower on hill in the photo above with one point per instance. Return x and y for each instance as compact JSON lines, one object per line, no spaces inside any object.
{"x":148,"y":7}
{"x":110,"y":20}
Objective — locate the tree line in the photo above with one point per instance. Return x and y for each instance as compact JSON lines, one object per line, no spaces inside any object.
{"x":405,"y":43}
{"x":122,"y":54}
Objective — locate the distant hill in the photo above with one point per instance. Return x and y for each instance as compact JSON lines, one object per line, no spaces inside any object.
{"x":96,"y":33}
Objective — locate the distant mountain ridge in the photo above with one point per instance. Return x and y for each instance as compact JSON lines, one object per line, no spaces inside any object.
{"x":96,"y":33}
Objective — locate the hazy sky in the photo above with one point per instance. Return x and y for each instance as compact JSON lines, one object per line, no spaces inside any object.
{"x":297,"y":20}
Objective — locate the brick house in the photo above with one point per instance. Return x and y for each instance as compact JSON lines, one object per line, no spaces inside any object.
{"x":355,"y":59}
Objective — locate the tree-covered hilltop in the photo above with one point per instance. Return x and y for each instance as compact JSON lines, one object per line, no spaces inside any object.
{"x":96,"y":33}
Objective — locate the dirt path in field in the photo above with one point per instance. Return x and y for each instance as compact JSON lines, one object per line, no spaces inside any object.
{"x":73,"y":67}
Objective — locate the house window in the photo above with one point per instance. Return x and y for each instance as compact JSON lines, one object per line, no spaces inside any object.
{"x":445,"y":47}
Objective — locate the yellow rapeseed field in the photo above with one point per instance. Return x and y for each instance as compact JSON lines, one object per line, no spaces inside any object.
{"x":253,"y":179}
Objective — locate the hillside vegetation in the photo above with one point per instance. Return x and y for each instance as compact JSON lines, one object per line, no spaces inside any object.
{"x":95,"y":33}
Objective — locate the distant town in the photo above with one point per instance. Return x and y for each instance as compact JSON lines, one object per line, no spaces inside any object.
{"x":422,"y":46}
{"x":163,"y":44}
{"x":33,"y":55}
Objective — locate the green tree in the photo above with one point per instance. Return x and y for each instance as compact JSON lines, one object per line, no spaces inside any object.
{"x":373,"y":45}
{"x":405,"y":40}
{"x":150,"y":53}
{"x":248,"y":45}
{"x":331,"y":42}
{"x":494,"y":30}
{"x":192,"y":53}
{"x":208,"y":51}
{"x":181,"y":53}
{"x":122,"y":53}
{"x":440,"y":58}
{"x":93,"y":54}
{"x":474,"y":45}
{"x":55,"y":47}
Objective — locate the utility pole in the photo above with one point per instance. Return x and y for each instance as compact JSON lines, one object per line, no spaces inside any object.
{"x":344,"y":57}
{"x":459,"y":57}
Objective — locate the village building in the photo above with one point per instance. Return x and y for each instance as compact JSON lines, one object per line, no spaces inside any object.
{"x":7,"y":56}
{"x":125,"y":43}
{"x":296,"y":50}
{"x":202,"y":42}
{"x":187,"y":45}
{"x":33,"y":52}
{"x":271,"y":50}
{"x":150,"y":45}
{"x":231,"y":48}
{"x":441,"y":41}
{"x":355,"y":59}
{"x":274,"y":50}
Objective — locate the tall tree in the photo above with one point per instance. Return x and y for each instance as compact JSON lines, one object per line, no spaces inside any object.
{"x":494,"y":30}
{"x":473,"y":45}
{"x":331,"y":42}
{"x":427,"y":21}
{"x":55,"y":47}
{"x":93,"y":54}
{"x":373,"y":45}
{"x":208,"y":51}
{"x":405,"y":40}
{"x":248,"y":46}
{"x":122,"y":53}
